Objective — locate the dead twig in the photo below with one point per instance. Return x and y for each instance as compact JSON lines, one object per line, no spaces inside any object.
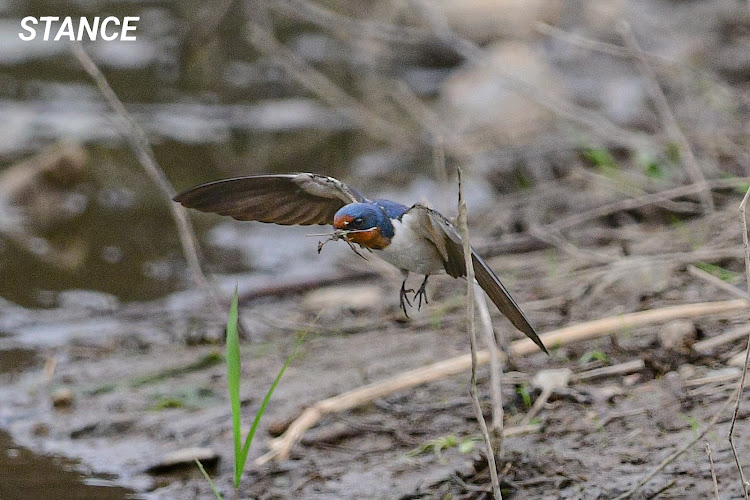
{"x":263,"y":39}
{"x":464,"y":230}
{"x":741,"y":385}
{"x":718,"y":282}
{"x":662,"y":489}
{"x":670,"y":122}
{"x":628,"y":367}
{"x":551,"y":236}
{"x":281,"y":446}
{"x":706,"y":346}
{"x":713,"y":470}
{"x":142,"y":149}
{"x":713,"y":379}
{"x":496,"y":367}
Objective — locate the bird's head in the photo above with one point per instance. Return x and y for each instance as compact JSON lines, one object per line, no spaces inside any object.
{"x":364,"y":223}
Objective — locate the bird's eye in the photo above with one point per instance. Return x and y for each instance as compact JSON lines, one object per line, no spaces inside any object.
{"x":358,"y":221}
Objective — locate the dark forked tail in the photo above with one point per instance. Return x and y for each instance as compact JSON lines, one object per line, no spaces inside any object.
{"x":502,"y":299}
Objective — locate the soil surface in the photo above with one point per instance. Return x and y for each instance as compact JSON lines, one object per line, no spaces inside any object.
{"x":603,"y":175}
{"x":146,"y":379}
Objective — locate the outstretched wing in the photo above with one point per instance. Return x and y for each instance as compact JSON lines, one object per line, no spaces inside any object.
{"x":282,"y":199}
{"x":439,"y":230}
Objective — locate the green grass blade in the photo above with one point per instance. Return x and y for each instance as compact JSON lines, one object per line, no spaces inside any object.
{"x":208,"y":478}
{"x":233,"y":384}
{"x":262,"y":409}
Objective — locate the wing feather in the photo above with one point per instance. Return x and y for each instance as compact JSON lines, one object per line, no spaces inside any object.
{"x":282,"y":199}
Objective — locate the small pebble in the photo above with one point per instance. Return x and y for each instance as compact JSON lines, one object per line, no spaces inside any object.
{"x":62,"y":398}
{"x":678,"y":336}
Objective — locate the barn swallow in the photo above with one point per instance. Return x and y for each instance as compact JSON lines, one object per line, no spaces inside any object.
{"x":415,"y":239}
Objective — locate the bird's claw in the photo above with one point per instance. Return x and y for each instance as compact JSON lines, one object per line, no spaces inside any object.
{"x":404,"y":299}
{"x":421,"y":294}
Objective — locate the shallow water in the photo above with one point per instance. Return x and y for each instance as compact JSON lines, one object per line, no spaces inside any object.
{"x":211,"y":109}
{"x":25,"y":475}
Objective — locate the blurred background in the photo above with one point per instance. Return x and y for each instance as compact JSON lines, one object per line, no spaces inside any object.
{"x":552,"y":108}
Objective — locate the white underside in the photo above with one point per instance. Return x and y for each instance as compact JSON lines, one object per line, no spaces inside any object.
{"x":411,"y":251}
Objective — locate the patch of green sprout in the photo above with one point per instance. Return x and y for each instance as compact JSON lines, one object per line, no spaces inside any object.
{"x":593,"y":355}
{"x":441,"y":443}
{"x":718,"y":271}
{"x":654,"y":170}
{"x":600,"y":158}
{"x":673,"y":152}
{"x":693,"y":422}
{"x":523,"y":391}
{"x":234,"y":370}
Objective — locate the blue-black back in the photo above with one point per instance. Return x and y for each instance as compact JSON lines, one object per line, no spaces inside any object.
{"x":392,"y":209}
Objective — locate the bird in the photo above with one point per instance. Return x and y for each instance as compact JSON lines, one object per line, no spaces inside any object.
{"x":415,"y":239}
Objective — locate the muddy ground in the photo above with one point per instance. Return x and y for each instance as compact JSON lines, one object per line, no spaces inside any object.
{"x":584,"y":152}
{"x":147,"y":381}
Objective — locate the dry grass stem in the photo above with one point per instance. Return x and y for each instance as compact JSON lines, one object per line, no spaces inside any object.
{"x":280,"y":447}
{"x":665,"y":63}
{"x":713,"y":471}
{"x":705,"y":346}
{"x":263,"y":39}
{"x":496,"y":366}
{"x":537,"y":406}
{"x":741,"y":385}
{"x":558,"y":241}
{"x":142,"y":149}
{"x":351,"y":28}
{"x":463,"y":229}
{"x":619,"y":369}
{"x":670,"y":122}
{"x":718,"y":282}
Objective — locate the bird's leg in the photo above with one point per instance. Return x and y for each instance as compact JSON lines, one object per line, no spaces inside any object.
{"x":403,"y":299}
{"x":422,"y":293}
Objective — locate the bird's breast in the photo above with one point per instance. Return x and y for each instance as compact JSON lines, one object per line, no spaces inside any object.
{"x":410,"y":250}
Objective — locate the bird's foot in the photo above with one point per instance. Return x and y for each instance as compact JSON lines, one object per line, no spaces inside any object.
{"x":403,"y":299}
{"x":421,"y":294}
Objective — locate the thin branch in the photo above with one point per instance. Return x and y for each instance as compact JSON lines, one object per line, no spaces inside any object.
{"x":668,"y":118}
{"x":464,"y":230}
{"x":713,"y":471}
{"x":142,"y":149}
{"x":350,"y":27}
{"x":706,"y":346}
{"x":718,"y":282}
{"x":741,"y":385}
{"x":496,"y":367}
{"x":606,"y":371}
{"x":263,"y":39}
